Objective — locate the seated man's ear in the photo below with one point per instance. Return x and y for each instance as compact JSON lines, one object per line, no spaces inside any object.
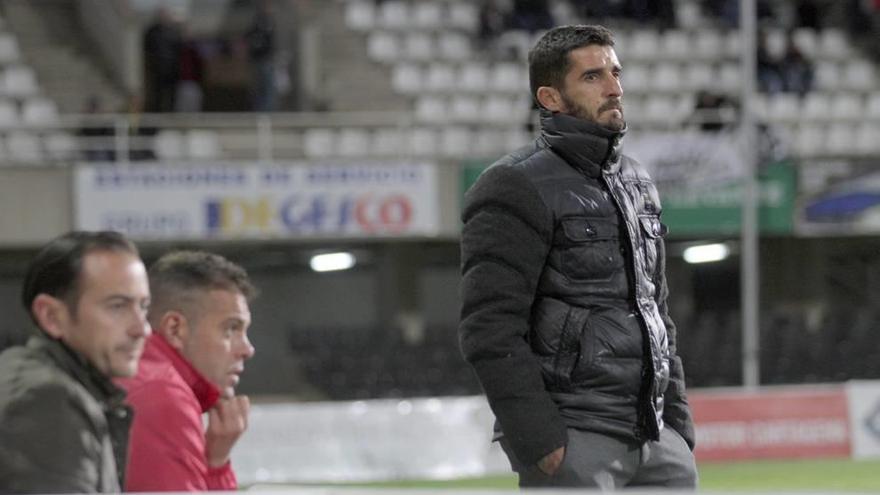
{"x":52,"y":315}
{"x":175,"y":328}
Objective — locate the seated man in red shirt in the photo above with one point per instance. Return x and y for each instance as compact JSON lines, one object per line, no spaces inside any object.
{"x":191,"y":364}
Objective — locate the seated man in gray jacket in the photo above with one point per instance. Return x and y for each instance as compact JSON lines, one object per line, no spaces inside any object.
{"x":63,"y":424}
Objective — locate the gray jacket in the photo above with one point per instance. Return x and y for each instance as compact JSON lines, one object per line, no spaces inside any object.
{"x":63,"y":425}
{"x":564,"y":313}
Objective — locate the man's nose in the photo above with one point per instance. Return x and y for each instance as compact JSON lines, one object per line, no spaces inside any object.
{"x":246,"y":349}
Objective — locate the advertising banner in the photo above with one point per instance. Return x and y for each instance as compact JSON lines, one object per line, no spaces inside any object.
{"x":864,"y":416}
{"x":839,"y":197}
{"x":788,"y":423}
{"x":230,"y":201}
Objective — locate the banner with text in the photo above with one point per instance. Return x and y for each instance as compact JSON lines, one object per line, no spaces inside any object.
{"x":229,"y":201}
{"x":785,"y":423}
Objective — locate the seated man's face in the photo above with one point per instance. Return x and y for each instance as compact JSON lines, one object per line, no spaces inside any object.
{"x":110,"y":324}
{"x":217,"y":344}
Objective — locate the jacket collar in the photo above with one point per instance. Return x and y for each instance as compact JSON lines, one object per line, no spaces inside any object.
{"x":206,"y":392}
{"x":585,"y":145}
{"x":80,"y":369}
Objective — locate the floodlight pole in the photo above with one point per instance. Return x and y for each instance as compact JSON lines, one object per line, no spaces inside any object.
{"x":749,"y":266}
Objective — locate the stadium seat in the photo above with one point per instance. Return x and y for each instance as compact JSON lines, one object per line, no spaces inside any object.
{"x":733,"y":44}
{"x":827,"y":76}
{"x":474,"y":76}
{"x":833,"y":44}
{"x":203,"y":144}
{"x":784,"y":107}
{"x":8,"y":114}
{"x":9,"y":51}
{"x":423,"y":142}
{"x":454,"y":46}
{"x":24,"y":147}
{"x":406,"y":78}
{"x":463,"y":15}
{"x":659,"y":109}
{"x":872,"y":107}
{"x":419,"y":46}
{"x":489,"y":142}
{"x":352,"y":142}
{"x":440,"y":77}
{"x":383,"y":46}
{"x":858,"y":75}
{"x":39,"y":111}
{"x":515,"y":43}
{"x":806,"y":41}
{"x":841,"y":139}
{"x":636,"y":77}
{"x":698,"y":75}
{"x":394,"y":14}
{"x":20,"y":81}
{"x":360,"y":15}
{"x":817,"y":107}
{"x":509,"y":77}
{"x":498,"y":109}
{"x":170,"y":144}
{"x":667,"y":76}
{"x":868,"y":138}
{"x":387,"y":142}
{"x":516,"y":137}
{"x":318,"y":142}
{"x":60,"y":146}
{"x":465,"y":109}
{"x":675,"y":44}
{"x":709,"y":45}
{"x":455,"y":142}
{"x":644,"y":45}
{"x":729,"y":77}
{"x":432,"y":109}
{"x":847,"y":106}
{"x":427,"y":14}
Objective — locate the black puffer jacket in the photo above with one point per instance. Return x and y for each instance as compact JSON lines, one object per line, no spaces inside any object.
{"x":564,"y":313}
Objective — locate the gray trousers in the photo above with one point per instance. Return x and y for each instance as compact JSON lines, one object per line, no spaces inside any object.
{"x":593,"y":460}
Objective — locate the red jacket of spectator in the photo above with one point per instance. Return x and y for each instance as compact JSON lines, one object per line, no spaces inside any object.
{"x":167,"y":444}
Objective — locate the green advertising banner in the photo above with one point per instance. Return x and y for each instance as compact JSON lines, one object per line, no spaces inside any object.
{"x":692,"y":209}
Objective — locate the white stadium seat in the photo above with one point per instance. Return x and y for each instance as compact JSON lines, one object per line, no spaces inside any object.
{"x":383,"y":46}
{"x":406,"y":78}
{"x":20,"y":81}
{"x":39,"y":111}
{"x":360,"y":15}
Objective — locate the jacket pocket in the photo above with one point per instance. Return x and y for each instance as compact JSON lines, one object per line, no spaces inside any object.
{"x":590,"y":248}
{"x":571,"y":352}
{"x":653,"y":232}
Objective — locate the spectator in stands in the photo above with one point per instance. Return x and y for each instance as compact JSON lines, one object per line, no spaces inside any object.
{"x":796,"y":70}
{"x":188,"y":96}
{"x":531,"y":15}
{"x":564,"y":296}
{"x":63,"y":423}
{"x":190,"y":366}
{"x":493,"y":22}
{"x":260,"y":39}
{"x":708,"y":111}
{"x":162,"y":42}
{"x":768,"y":67}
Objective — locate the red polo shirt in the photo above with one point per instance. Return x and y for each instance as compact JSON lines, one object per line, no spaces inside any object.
{"x":167,"y":445}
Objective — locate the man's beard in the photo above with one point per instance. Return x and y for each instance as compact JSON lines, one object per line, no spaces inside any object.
{"x":576,"y":110}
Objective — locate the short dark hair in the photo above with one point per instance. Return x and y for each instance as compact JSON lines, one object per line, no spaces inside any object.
{"x":177,"y":275}
{"x":548,"y":59}
{"x":56,"y":268}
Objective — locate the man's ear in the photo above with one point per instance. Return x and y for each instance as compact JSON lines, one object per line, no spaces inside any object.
{"x":550,"y":98}
{"x":52,"y":315}
{"x":175,"y":328}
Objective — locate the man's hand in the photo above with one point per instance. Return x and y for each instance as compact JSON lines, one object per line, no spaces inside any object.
{"x":227,"y":420}
{"x":550,"y":463}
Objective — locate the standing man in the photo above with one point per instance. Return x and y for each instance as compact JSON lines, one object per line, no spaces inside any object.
{"x":63,"y":424}
{"x":191,"y":365}
{"x":564,"y":314}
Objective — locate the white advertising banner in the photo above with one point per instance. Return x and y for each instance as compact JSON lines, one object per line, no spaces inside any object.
{"x":864,"y":418}
{"x":395,"y":439}
{"x":239,"y":201}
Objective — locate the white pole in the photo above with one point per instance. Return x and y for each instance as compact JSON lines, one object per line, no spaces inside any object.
{"x":749,"y":296}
